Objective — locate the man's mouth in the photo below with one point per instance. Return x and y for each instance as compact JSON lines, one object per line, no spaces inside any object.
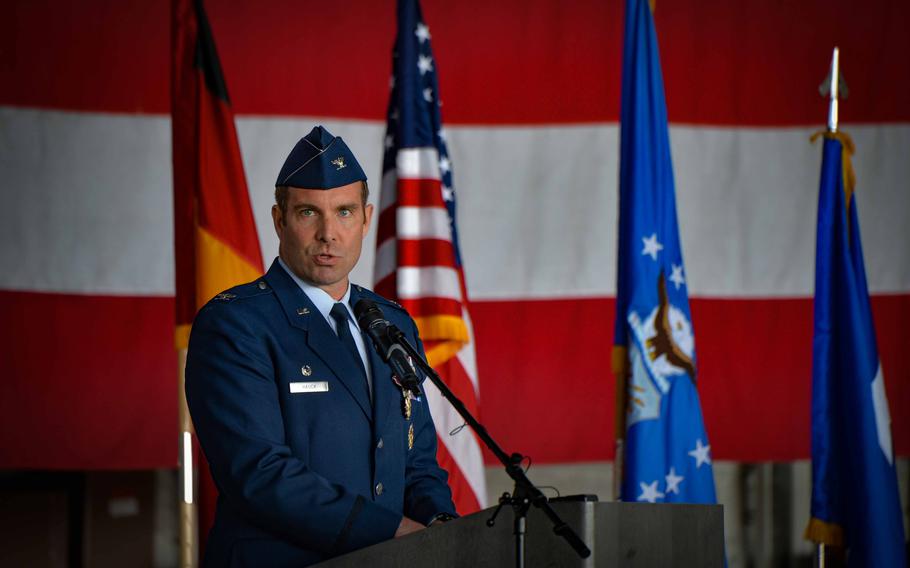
{"x":325,"y":259}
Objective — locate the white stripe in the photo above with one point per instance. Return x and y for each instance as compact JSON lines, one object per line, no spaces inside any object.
{"x":428,"y":281}
{"x":540,"y":220}
{"x":467,"y":356}
{"x":418,"y":163}
{"x":386,"y":259}
{"x":87,"y":204}
{"x":423,"y":223}
{"x":463,"y":446}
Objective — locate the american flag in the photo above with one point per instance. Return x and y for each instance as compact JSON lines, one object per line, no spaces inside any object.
{"x":418,"y":261}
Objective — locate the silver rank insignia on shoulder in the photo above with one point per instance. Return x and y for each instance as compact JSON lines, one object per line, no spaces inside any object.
{"x":339,"y":162}
{"x":306,"y":371}
{"x":411,"y":437}
{"x":224,"y":296}
{"x":303,"y":311}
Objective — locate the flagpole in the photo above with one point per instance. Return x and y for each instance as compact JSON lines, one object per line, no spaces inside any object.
{"x":188,"y":514}
{"x":832,"y":127}
{"x":620,"y":374}
{"x":835,"y":80}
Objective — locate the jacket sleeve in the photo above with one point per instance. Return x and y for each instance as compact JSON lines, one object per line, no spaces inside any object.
{"x":233,"y":400}
{"x":427,"y":492}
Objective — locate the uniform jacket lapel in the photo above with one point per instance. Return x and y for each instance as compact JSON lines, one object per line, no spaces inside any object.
{"x":320,"y":338}
{"x":385,"y":393}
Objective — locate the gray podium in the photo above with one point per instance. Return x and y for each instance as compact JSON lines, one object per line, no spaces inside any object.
{"x":618,"y":534}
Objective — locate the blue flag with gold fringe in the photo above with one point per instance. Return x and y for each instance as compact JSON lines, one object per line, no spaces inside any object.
{"x":667,"y":455}
{"x":855,"y":500}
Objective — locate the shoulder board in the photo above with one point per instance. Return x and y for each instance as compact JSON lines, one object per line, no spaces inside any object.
{"x":257,"y":287}
{"x":379,"y":299}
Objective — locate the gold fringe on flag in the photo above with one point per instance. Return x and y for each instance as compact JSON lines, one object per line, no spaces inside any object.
{"x":450,"y":332}
{"x":848,"y":150}
{"x":821,"y":532}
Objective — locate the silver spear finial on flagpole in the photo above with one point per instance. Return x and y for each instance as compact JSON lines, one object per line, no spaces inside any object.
{"x":835,"y":81}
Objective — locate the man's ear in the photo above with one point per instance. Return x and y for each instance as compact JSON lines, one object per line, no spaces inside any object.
{"x":277,"y":220}
{"x":367,"y":217}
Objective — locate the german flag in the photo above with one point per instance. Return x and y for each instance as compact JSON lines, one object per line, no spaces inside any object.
{"x":215,"y":237}
{"x":215,"y":240}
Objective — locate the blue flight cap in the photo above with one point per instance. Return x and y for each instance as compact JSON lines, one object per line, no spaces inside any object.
{"x":320,"y":161}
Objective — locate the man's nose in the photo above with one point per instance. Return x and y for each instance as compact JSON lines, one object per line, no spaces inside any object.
{"x":328,"y":229}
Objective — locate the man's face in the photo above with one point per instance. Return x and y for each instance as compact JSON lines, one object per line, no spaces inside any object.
{"x":321,"y":234}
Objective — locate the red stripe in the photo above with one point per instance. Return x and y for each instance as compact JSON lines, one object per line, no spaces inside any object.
{"x":754,"y":356}
{"x":425,"y":252}
{"x":421,"y":307}
{"x":101,"y":394}
{"x":733,"y":63}
{"x":387,"y":223}
{"x":90,"y":382}
{"x":420,"y":193}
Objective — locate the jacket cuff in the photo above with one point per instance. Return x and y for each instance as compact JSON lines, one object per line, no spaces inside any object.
{"x":444,"y":517}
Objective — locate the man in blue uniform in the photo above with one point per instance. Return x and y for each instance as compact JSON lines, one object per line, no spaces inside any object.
{"x":302,"y":423}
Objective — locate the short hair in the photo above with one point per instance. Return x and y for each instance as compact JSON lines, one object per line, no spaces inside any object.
{"x":281,"y":196}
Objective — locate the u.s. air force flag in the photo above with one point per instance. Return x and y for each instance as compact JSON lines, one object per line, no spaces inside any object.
{"x":855,"y":501}
{"x":667,"y":456}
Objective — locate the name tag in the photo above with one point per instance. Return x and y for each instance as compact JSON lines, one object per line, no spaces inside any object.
{"x":315,"y":386}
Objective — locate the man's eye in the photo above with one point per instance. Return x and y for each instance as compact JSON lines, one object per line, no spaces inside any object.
{"x":345,"y":212}
{"x":307,"y":212}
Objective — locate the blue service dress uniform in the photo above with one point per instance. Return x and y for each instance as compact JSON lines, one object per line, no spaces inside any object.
{"x":311,"y":474}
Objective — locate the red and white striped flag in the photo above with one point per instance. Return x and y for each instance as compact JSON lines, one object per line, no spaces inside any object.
{"x":418,"y":262}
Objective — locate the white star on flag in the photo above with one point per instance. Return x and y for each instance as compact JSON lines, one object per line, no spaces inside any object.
{"x":676,"y":277}
{"x":441,"y":134}
{"x":422,"y":32}
{"x":701,"y":454}
{"x":447,"y":193}
{"x":673,"y":481}
{"x":649,"y":492}
{"x":424,"y":63}
{"x":389,"y":141}
{"x":444,"y":165}
{"x":428,"y":95}
{"x":652,"y":247}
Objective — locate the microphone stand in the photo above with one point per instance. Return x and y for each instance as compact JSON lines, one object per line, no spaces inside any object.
{"x":525,"y":493}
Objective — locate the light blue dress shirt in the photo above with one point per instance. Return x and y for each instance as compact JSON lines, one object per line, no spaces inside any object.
{"x":324,"y":303}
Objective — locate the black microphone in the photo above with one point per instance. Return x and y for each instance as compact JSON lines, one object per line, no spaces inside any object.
{"x":385,"y":339}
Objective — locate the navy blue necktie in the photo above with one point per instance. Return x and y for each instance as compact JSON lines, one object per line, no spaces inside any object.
{"x":339,"y":313}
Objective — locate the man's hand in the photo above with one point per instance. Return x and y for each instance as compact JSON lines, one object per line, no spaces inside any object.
{"x":408,"y":526}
